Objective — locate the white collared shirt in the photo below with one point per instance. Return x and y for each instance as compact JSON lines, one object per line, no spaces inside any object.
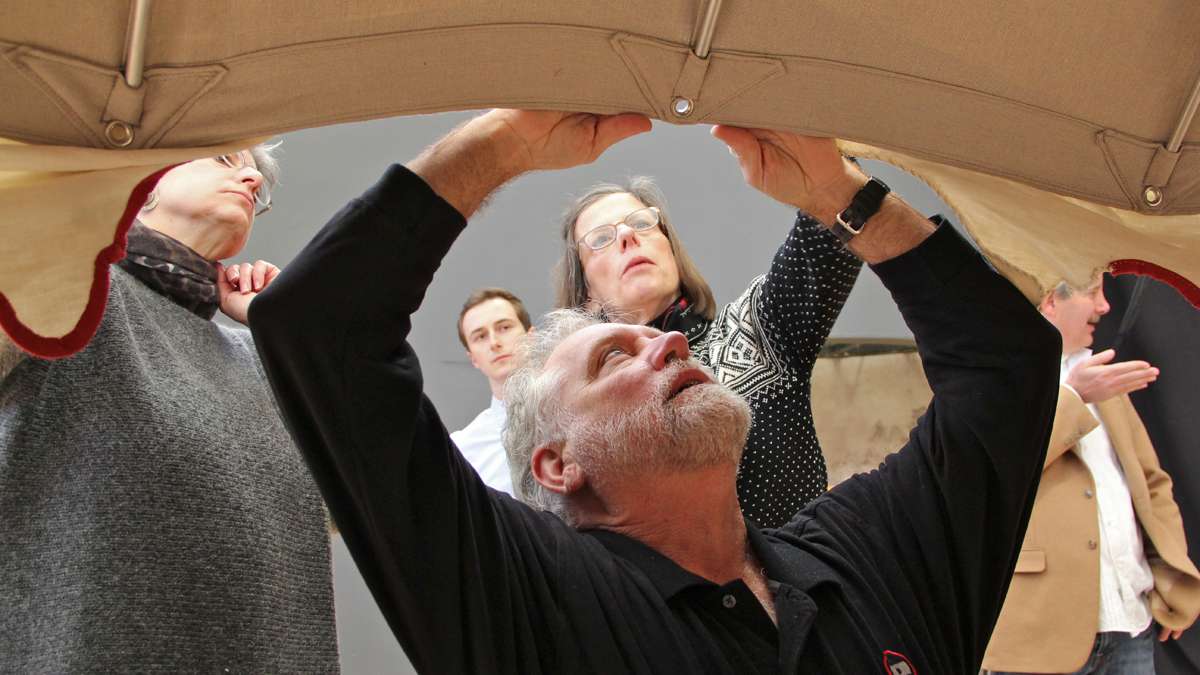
{"x":1125,"y":578}
{"x":479,"y":442}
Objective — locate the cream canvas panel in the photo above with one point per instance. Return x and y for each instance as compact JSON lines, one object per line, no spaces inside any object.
{"x":1075,"y":96}
{"x":63,"y":209}
{"x":890,"y":388}
{"x":1037,"y":238}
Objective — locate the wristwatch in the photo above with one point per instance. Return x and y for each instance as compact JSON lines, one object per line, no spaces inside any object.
{"x":865,"y":204}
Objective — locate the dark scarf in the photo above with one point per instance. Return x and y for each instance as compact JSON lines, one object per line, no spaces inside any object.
{"x":172,"y":269}
{"x":681,"y":316}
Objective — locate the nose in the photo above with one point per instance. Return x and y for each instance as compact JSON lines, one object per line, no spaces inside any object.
{"x":496,"y":345}
{"x":251,"y":176}
{"x":666,"y":348}
{"x":626,"y":237}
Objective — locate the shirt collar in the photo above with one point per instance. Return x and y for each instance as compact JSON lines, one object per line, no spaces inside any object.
{"x":496,"y":405}
{"x":665,"y":574}
{"x":681,"y":316}
{"x":786,"y":564}
{"x":786,"y":561}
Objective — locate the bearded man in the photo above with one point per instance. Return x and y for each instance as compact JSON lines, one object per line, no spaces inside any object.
{"x":649,"y":566}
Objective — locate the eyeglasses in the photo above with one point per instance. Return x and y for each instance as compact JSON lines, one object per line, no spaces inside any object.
{"x":640,"y":221}
{"x":262,"y":194}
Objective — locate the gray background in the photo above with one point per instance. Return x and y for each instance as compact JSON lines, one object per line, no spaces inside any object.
{"x":730,"y":230}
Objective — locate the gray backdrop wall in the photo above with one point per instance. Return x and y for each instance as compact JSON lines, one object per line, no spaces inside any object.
{"x":731,"y":230}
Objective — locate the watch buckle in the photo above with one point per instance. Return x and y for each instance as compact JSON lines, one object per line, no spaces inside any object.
{"x":846,"y":225}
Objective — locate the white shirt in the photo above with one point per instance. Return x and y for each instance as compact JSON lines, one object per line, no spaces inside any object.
{"x":479,"y":443}
{"x":1125,"y":578}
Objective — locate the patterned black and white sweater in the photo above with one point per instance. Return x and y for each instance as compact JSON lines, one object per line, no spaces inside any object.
{"x":763,"y":345}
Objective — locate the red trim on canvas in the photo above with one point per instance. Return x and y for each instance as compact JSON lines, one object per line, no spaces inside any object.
{"x":893,"y":659}
{"x":89,"y":321}
{"x":1180,"y":283}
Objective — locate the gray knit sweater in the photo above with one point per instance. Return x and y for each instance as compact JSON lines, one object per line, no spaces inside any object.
{"x":154,"y":514}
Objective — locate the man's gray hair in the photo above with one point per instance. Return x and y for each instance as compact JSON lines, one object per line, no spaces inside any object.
{"x":1064,"y":290}
{"x":535,"y":416}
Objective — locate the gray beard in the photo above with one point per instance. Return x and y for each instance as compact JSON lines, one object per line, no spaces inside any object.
{"x":702,"y":427}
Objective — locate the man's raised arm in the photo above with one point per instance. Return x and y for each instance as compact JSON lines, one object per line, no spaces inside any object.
{"x":945,"y":516}
{"x":433,"y":544}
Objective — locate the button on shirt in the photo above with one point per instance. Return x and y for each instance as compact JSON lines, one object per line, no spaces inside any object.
{"x":1125,"y":578}
{"x":479,"y":442}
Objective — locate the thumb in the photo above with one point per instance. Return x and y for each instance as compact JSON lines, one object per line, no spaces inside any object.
{"x":745,"y":148}
{"x":223,"y":286}
{"x":1103,"y":357}
{"x":612,"y":129}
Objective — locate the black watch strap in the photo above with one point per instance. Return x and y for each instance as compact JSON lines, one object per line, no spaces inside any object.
{"x":865,"y":204}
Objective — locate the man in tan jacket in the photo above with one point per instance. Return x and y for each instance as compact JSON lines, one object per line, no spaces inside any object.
{"x":1105,"y":556}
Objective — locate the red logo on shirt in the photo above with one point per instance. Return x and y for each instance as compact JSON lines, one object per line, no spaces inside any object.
{"x":895,"y":663}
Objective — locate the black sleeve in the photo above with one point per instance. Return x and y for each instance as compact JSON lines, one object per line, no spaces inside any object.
{"x":804,"y":291}
{"x":944,"y":518}
{"x":450,"y":563}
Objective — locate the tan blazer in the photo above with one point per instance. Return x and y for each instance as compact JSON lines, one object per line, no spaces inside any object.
{"x":1051,"y":613}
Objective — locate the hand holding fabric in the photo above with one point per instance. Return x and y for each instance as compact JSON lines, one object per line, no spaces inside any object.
{"x":560,"y":140}
{"x":471,"y":162}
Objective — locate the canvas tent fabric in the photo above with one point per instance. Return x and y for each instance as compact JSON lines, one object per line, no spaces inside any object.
{"x":1038,"y":239}
{"x":1075,"y":98}
{"x":66,"y":211}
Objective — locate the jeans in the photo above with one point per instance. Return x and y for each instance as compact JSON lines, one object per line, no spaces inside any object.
{"x":1118,"y":654}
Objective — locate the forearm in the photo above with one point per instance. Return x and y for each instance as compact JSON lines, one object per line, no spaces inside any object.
{"x":470,"y":163}
{"x":350,"y":389}
{"x":987,"y":353}
{"x":953,"y":504}
{"x":804,"y":291}
{"x":895,"y":229}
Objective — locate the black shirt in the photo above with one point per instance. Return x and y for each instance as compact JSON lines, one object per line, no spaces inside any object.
{"x":902,"y":568}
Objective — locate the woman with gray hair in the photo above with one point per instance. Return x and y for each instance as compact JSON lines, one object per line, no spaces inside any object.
{"x":157,"y":515}
{"x":622,"y":255}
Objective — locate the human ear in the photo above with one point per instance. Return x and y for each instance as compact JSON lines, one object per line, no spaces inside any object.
{"x":1048,"y":306}
{"x":555,"y":471}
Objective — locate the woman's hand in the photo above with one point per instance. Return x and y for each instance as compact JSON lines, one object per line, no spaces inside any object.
{"x":238,"y":284}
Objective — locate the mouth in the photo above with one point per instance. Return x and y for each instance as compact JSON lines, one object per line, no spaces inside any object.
{"x":502,"y":357}
{"x":246,"y":198}
{"x":640,"y":260}
{"x":686,"y":379}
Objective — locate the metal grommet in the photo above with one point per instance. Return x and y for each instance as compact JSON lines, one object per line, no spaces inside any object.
{"x":729,"y":601}
{"x":118,"y":133}
{"x":1153,"y":196}
{"x":682,"y":106}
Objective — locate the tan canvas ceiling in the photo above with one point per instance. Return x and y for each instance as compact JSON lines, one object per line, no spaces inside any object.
{"x":1081,"y":99}
{"x":1072,"y":96}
